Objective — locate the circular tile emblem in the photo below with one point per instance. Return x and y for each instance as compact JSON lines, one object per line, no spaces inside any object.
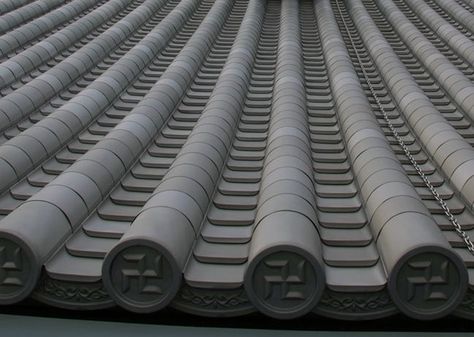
{"x":284,"y":284}
{"x":17,"y":278}
{"x":140,"y":278}
{"x":428,"y":285}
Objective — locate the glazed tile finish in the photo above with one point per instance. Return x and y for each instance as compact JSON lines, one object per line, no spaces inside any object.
{"x":15,"y":18}
{"x":285,"y":233}
{"x":49,"y":135}
{"x":49,"y":47}
{"x":113,"y":216}
{"x":362,"y":258}
{"x":458,"y":87}
{"x":94,"y":174}
{"x":458,"y":12}
{"x":224,"y":157}
{"x":227,"y":229}
{"x":456,"y":40}
{"x":38,"y":91}
{"x":388,"y":195}
{"x":185,"y":191}
{"x":438,"y":137}
{"x":9,"y":5}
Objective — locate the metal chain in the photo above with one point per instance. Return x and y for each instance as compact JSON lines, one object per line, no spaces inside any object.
{"x":457,"y":227}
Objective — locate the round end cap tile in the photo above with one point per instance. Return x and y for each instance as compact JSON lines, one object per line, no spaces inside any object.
{"x":284,"y":283}
{"x":141,"y":276}
{"x":428,"y":283}
{"x":19,"y":270}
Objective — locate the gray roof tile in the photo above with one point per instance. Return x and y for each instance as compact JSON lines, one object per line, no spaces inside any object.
{"x":238,"y":151}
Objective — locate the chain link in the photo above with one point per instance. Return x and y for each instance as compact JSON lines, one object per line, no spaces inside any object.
{"x":457,"y":227}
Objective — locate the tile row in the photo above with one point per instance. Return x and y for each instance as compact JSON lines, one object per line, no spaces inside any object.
{"x":439,"y":138}
{"x":9,"y":5}
{"x":185,"y":191}
{"x":38,"y":142}
{"x":19,"y":65}
{"x":224,"y":157}
{"x":88,"y":245}
{"x":353,"y":262}
{"x":24,"y":14}
{"x":459,"y":12}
